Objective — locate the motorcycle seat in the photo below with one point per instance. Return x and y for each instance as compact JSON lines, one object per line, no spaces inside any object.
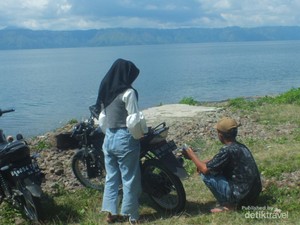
{"x":13,"y":151}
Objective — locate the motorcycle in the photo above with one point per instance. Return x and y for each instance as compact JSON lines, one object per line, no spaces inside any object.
{"x":161,"y":170}
{"x":88,"y":162}
{"x":20,"y":176}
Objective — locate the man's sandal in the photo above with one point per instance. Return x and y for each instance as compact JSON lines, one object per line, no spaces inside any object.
{"x":222,"y":209}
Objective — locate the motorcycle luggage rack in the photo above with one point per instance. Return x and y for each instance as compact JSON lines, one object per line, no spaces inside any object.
{"x":65,"y":141}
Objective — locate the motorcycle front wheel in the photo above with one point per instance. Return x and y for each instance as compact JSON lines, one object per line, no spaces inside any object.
{"x":31,"y":205}
{"x":89,"y":169}
{"x":163,"y":187}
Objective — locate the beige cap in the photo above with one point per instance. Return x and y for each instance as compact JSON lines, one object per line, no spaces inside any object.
{"x":226,"y":124}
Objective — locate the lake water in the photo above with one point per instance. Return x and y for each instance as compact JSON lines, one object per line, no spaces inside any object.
{"x":48,"y":87}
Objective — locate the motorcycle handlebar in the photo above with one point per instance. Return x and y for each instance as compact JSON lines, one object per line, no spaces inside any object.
{"x":76,"y":129}
{"x":82,"y":127}
{"x":6,"y":111}
{"x":159,"y":126}
{"x":156,"y":130}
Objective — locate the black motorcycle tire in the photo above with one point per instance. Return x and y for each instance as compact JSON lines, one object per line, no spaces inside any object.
{"x":163,"y":187}
{"x":79,"y":167}
{"x":32,"y":206}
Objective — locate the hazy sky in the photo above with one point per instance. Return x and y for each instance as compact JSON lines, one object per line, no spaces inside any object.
{"x":96,"y":14}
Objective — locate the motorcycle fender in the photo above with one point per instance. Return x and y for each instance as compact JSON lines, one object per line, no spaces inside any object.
{"x":172,"y":163}
{"x":34,"y":188}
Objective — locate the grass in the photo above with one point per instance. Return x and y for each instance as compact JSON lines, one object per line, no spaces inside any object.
{"x":277,"y":157}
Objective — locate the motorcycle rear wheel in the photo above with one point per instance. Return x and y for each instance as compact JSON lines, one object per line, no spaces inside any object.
{"x":163,"y":187}
{"x":80,"y":166}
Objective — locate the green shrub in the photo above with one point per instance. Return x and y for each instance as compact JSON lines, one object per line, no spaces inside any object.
{"x":188,"y":101}
{"x":43,"y":145}
{"x":73,"y":121}
{"x":290,"y":97}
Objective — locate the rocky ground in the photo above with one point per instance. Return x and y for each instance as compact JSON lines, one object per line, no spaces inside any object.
{"x":186,"y":123}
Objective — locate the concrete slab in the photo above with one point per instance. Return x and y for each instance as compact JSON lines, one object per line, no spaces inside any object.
{"x":175,"y":111}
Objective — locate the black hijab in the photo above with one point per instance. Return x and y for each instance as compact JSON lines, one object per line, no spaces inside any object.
{"x":119,"y":78}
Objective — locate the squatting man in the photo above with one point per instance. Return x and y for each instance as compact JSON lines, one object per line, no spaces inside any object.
{"x":232,"y":174}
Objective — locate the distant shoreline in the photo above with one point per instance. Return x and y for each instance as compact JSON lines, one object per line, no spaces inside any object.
{"x":14,"y":38}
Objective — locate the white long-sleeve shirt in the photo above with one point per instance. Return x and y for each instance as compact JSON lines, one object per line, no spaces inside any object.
{"x":135,"y":121}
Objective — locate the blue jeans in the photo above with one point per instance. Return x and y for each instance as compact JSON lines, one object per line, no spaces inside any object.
{"x":219,"y":187}
{"x":122,"y":164}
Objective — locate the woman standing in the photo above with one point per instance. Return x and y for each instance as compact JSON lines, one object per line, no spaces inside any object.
{"x":123,"y":125}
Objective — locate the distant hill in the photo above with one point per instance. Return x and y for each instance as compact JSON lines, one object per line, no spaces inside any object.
{"x":14,"y":38}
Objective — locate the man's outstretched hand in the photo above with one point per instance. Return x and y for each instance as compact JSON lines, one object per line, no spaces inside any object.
{"x":188,"y":153}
